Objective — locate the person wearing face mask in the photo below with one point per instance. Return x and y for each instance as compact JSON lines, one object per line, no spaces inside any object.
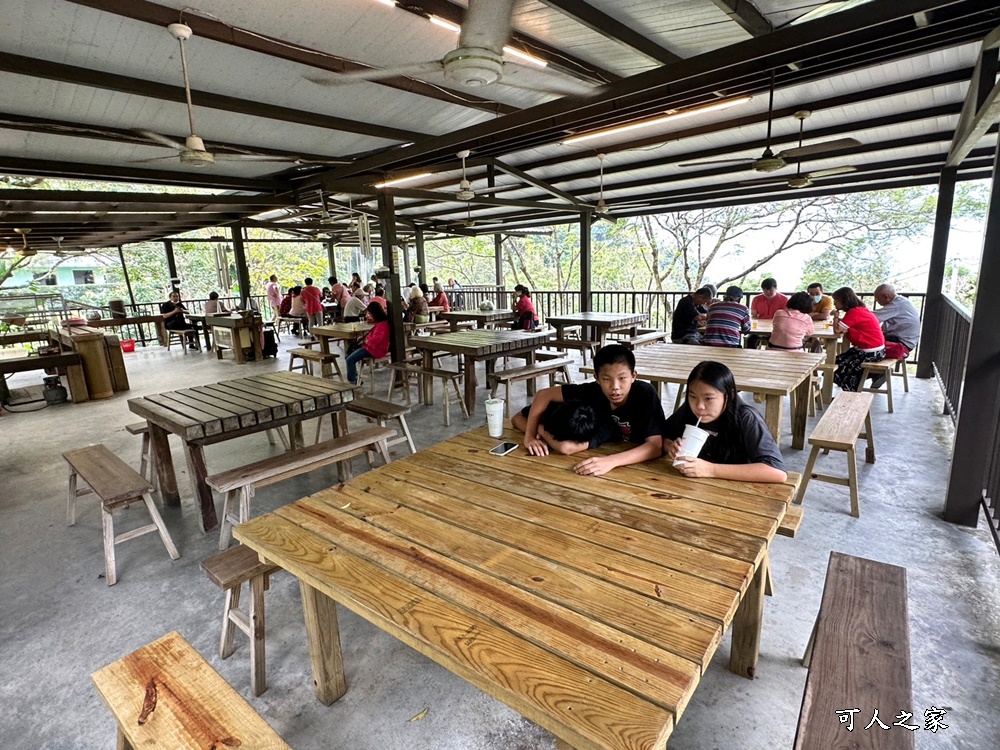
{"x":822,"y":303}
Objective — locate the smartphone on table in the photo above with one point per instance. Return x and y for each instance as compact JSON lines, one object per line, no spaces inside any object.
{"x":503,"y":449}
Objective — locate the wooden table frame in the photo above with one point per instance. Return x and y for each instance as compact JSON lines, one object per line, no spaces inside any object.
{"x":823,"y":333}
{"x":474,"y":346}
{"x":591,"y":605}
{"x":772,"y":374}
{"x":216,"y":412}
{"x":597,"y":325}
{"x":339,"y":332}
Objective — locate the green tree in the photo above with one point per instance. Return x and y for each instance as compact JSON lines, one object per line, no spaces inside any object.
{"x":855,"y":265}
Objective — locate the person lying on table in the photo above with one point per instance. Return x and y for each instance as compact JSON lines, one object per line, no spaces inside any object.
{"x":739,"y":445}
{"x":627,"y":411}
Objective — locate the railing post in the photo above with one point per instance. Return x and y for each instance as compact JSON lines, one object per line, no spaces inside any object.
{"x":935,"y":275}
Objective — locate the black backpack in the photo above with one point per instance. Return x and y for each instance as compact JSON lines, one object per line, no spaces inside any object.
{"x":270,"y":345}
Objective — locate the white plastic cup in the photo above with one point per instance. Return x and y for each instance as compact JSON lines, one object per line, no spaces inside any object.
{"x":694,"y":441}
{"x":494,"y":416}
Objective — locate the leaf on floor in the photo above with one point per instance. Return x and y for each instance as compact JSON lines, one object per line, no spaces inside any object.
{"x":421,"y":715}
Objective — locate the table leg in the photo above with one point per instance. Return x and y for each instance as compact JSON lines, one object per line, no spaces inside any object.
{"x":747,"y":624}
{"x":77,"y":384}
{"x":295,"y":435}
{"x":470,"y":384}
{"x":800,"y":411}
{"x":340,"y":428}
{"x":427,"y":383}
{"x":198,"y":470}
{"x":772,"y":415}
{"x":256,"y":335}
{"x":204,"y":332}
{"x":323,"y":632}
{"x":831,"y":359}
{"x":164,"y":463}
{"x":529,"y":386}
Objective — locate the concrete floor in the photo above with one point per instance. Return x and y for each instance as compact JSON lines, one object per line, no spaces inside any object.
{"x":59,"y":621}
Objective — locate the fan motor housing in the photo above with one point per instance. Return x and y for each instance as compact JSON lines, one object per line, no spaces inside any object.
{"x":197,"y":158}
{"x":768,"y":164}
{"x":473,"y":66}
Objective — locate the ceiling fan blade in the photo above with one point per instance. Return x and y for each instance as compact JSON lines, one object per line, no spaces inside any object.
{"x":487,"y":24}
{"x":147,"y":161}
{"x":748,"y":160}
{"x":547,"y":83}
{"x":765,"y":181}
{"x":377,"y":74}
{"x":819,"y":148}
{"x":162,"y":140}
{"x":253,"y":157}
{"x":819,"y":174}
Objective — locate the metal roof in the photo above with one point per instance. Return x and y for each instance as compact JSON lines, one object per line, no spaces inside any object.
{"x":82,"y":78}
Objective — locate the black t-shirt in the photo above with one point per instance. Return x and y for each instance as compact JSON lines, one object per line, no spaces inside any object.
{"x":684,"y":318}
{"x":639,"y":417}
{"x":177,"y":321}
{"x":754,"y":446}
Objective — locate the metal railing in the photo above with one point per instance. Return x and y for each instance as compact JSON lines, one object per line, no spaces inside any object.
{"x":950,"y":352}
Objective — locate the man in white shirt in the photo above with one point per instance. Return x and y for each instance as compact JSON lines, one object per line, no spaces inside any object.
{"x":900,"y":322}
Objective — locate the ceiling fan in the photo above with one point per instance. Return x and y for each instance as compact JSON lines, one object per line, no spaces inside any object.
{"x":24,"y":250}
{"x":193,"y":152}
{"x":601,"y":208}
{"x":802,"y":180}
{"x":770,"y":161}
{"x":477,"y":61}
{"x":465,"y":191}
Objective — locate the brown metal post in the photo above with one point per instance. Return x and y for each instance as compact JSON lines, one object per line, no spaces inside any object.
{"x":585,"y":262}
{"x":387,"y":233}
{"x":331,"y":257}
{"x":935,"y":275}
{"x":418,"y":239}
{"x":242,"y":272}
{"x":168,"y":248}
{"x":981,"y":389}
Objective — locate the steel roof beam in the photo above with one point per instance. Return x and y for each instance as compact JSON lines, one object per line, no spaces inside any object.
{"x":982,"y":102}
{"x":746,"y":15}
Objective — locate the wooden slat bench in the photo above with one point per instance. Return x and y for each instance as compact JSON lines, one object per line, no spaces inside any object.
{"x":239,"y":483}
{"x":644,"y":339}
{"x":858,"y":658}
{"x":310,"y":357}
{"x":839,"y":429}
{"x":406,"y":370}
{"x":382,"y":412}
{"x":229,"y":570}
{"x":116,"y":484}
{"x":166,"y":695}
{"x":146,"y":467}
{"x":578,"y":344}
{"x":529,"y":372}
{"x":884,"y":369}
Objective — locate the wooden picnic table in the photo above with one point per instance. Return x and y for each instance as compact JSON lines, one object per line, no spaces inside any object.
{"x":823,"y":333}
{"x":339,"y":332}
{"x":591,"y":605}
{"x":480,"y":317}
{"x":215,"y":412}
{"x":480,"y":344}
{"x":596,"y":325}
{"x":772,"y":374}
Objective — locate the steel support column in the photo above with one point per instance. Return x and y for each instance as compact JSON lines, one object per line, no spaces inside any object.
{"x":407,"y":269}
{"x":585,"y":262}
{"x":418,"y":239}
{"x":498,"y":258}
{"x":242,"y":272}
{"x":387,"y":234}
{"x":331,"y":257}
{"x":981,"y":389}
{"x":168,"y":248}
{"x":935,"y":275}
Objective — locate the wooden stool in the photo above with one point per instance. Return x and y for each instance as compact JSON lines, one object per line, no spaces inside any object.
{"x":883,"y":368}
{"x":166,"y":695}
{"x":370,"y":364}
{"x":182,"y":336}
{"x":900,"y":372}
{"x":146,"y":467}
{"x":382,"y":412}
{"x":229,"y":570}
{"x":116,"y":484}
{"x":309,"y":356}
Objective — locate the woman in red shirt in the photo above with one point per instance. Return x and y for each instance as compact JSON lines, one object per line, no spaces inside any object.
{"x":440,"y":299}
{"x":524,"y":309}
{"x":376,"y":341}
{"x":864,"y":333}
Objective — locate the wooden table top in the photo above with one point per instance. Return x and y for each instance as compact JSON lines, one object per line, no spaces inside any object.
{"x":591,"y":605}
{"x":756,"y":370}
{"x":481,"y":342}
{"x":341,"y":330}
{"x":214,"y":410}
{"x":822,"y":329}
{"x":481,"y":316}
{"x":598,"y":319}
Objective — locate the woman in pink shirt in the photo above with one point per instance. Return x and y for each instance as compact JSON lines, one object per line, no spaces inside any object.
{"x":376,"y":341}
{"x":792,"y":324}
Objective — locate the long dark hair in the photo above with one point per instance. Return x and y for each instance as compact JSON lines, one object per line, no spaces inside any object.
{"x":716,"y":375}
{"x":377,"y":312}
{"x":847,"y":298}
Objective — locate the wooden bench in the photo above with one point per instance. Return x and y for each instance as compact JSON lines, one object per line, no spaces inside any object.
{"x":858,"y":657}
{"x":529,"y":372}
{"x":644,"y":339}
{"x":229,"y":570}
{"x":583,"y":346}
{"x":116,"y":484}
{"x":382,"y":412}
{"x":240,"y":483}
{"x":839,"y":430}
{"x":406,"y":370}
{"x":166,"y":695}
{"x":147,"y":468}
{"x":310,"y":357}
{"x":884,"y":369}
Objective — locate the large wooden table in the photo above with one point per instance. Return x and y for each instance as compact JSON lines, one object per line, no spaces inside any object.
{"x":823,"y":333}
{"x":480,"y":317}
{"x":772,"y":374}
{"x":596,"y":325}
{"x":231,"y":334}
{"x":591,"y":605}
{"x":476,"y":345}
{"x":339,"y":332}
{"x":212,"y":413}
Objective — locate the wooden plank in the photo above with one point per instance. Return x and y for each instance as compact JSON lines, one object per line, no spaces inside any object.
{"x":323,"y":385}
{"x":108,"y":476}
{"x":294,"y":403}
{"x":246,"y":416}
{"x":229,"y":420}
{"x":299,"y":391}
{"x":685,"y":633}
{"x":276,"y":408}
{"x":576,"y":704}
{"x":860,"y":657}
{"x":745,"y":649}
{"x":9,"y":365}
{"x":209,"y":422}
{"x":256,"y":406}
{"x":842,"y":420}
{"x":179,"y":424}
{"x":166,"y":695}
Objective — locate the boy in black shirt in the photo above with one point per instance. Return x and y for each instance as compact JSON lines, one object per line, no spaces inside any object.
{"x":627,"y":411}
